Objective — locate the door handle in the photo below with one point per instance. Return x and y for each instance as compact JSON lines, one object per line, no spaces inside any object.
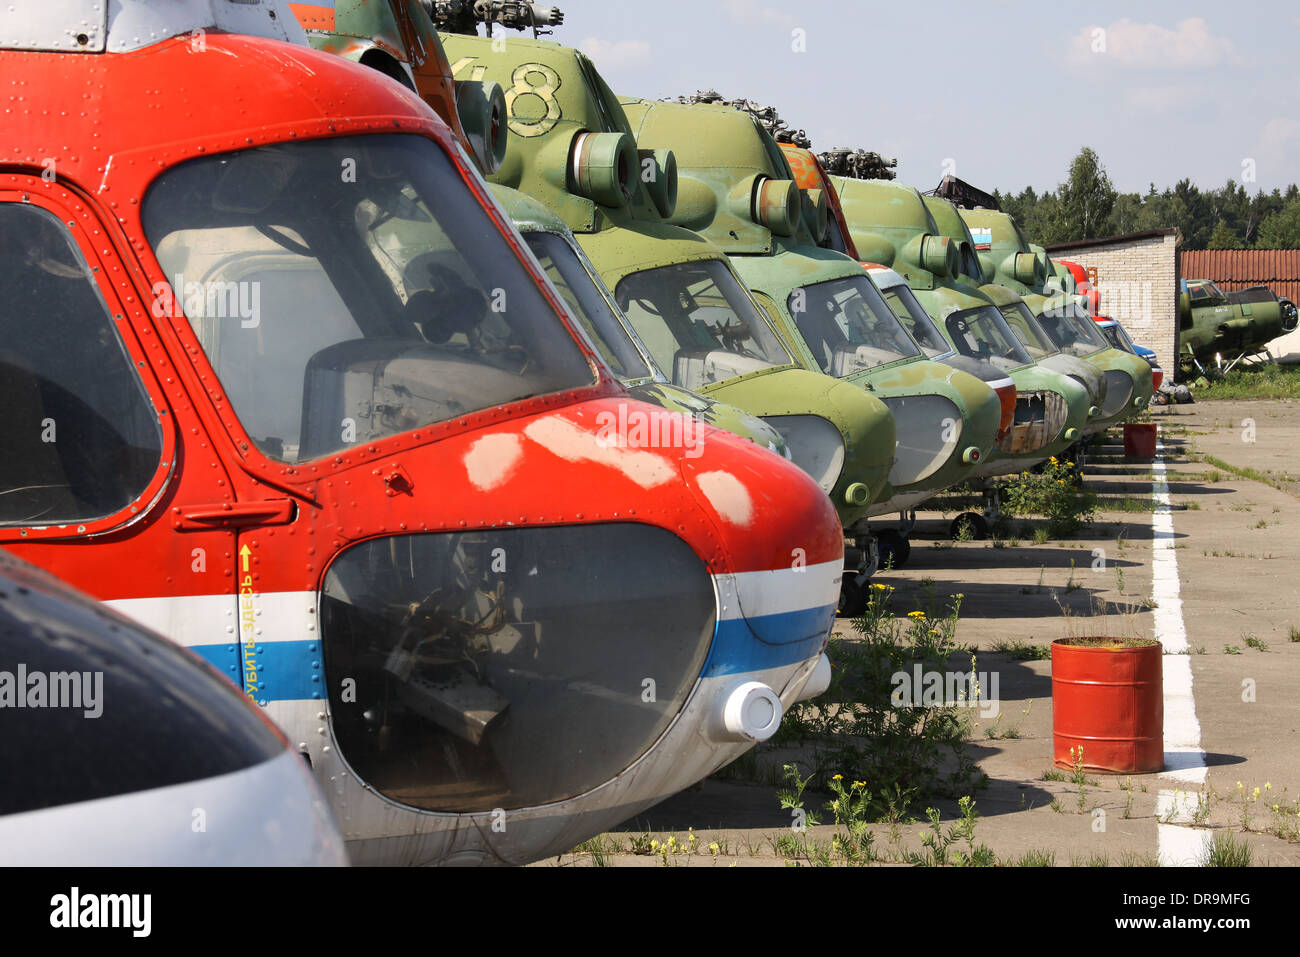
{"x":275,"y":511}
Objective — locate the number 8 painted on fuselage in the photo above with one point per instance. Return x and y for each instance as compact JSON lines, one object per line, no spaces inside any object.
{"x":545,"y":91}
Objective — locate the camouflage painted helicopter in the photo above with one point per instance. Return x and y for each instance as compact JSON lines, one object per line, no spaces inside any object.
{"x":829,"y":313}
{"x":894,"y":224}
{"x":572,"y":148}
{"x":1074,"y":279}
{"x":270,"y":411}
{"x":889,"y":221}
{"x":1227,"y":329}
{"x":1006,"y":259}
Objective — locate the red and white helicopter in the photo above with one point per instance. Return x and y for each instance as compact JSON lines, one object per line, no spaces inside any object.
{"x":282,"y":383}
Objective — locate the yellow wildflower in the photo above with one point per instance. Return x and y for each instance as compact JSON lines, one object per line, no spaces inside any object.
{"x":838,"y":777}
{"x":916,"y":614}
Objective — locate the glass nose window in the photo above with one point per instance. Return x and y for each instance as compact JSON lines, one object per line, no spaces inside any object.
{"x":508,"y":668}
{"x":699,"y":323}
{"x":847,"y":326}
{"x":349,"y":289}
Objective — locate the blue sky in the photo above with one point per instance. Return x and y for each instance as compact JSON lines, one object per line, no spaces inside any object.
{"x":1004,"y":92}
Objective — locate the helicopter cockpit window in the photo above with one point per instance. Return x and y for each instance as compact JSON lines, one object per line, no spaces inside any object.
{"x":80,"y":436}
{"x":848,"y":327}
{"x":903,"y":303}
{"x":588,"y":304}
{"x":981,"y":333}
{"x":351,"y":288}
{"x":1072,"y":329}
{"x":1028,"y":331}
{"x":698,"y":323}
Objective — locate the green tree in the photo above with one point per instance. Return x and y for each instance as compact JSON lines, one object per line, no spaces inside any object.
{"x":1281,"y":230}
{"x":1224,"y":238}
{"x":1086,"y":199}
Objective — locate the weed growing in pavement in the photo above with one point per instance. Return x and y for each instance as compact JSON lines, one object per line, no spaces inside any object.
{"x":1254,"y":641}
{"x":1225,"y":850}
{"x":862,"y":727}
{"x":1232,"y":649}
{"x":937,"y":844}
{"x":1294,"y":634}
{"x":1054,"y":493}
{"x":1022,"y":650}
{"x":1032,"y":859}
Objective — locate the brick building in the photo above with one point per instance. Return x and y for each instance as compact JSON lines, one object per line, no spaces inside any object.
{"x":1136,"y":276}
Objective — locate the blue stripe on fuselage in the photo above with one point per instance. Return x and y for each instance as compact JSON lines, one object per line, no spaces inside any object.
{"x":290,"y":670}
{"x":736,"y":649}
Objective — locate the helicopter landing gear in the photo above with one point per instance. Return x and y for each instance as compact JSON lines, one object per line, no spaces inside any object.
{"x":895,"y":545}
{"x":969,"y":526}
{"x":894,"y":548}
{"x":861,"y":560}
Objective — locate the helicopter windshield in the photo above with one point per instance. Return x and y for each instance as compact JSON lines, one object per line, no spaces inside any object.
{"x":902,"y":301}
{"x":848,"y":327}
{"x":698,"y":322}
{"x":1021,"y":321}
{"x":982,"y":333}
{"x":1073,"y":330}
{"x":351,"y":288}
{"x":588,"y":303}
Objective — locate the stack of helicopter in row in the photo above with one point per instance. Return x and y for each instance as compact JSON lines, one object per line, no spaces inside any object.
{"x":498,"y":436}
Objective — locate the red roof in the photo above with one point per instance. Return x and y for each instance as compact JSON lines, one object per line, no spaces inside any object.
{"x":1234,"y":269}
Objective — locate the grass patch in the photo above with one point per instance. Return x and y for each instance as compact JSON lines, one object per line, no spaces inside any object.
{"x":1022,"y":650}
{"x":1226,"y":851}
{"x":1253,"y":475}
{"x":1254,"y":382}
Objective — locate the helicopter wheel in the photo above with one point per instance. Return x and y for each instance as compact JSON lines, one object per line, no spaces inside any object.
{"x":979,"y":528}
{"x":853,"y":597}
{"x":894,"y":547}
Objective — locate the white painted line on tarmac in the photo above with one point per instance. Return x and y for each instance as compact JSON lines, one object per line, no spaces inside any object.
{"x":1178,"y":845}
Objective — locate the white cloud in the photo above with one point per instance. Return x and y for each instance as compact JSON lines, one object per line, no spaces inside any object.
{"x":614,"y":55}
{"x":1150,"y":46}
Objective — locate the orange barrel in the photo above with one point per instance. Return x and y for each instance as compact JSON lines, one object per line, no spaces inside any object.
{"x":1108,"y":700}
{"x":1140,"y":440}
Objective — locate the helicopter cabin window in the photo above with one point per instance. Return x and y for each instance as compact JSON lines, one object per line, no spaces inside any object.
{"x":915,"y":320}
{"x":80,"y":435}
{"x":698,"y":322}
{"x":352,"y":288}
{"x":847,"y":326}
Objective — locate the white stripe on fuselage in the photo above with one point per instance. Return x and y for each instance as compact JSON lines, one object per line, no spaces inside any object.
{"x":291,"y":615}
